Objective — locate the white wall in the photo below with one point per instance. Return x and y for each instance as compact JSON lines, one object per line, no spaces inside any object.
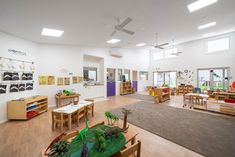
{"x":7,"y":42}
{"x":50,"y":59}
{"x":194,"y":56}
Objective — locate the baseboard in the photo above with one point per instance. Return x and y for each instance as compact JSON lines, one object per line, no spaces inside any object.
{"x":3,"y":121}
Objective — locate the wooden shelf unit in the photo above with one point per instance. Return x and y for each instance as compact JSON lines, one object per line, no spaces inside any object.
{"x":184,"y":89}
{"x":126,"y":88}
{"x":26,"y":108}
{"x":162,"y":94}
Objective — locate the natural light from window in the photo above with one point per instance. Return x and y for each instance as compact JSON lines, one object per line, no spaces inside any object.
{"x":218,"y":45}
{"x":158,"y":55}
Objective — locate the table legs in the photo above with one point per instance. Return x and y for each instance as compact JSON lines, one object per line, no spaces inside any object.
{"x":70,"y":121}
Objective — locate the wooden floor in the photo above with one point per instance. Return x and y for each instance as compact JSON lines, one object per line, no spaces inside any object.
{"x":28,"y":138}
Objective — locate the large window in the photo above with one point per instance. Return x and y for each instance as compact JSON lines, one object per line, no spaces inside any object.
{"x":90,"y":73}
{"x":215,"y":78}
{"x":143,"y":75}
{"x":218,"y":45}
{"x":168,"y":53}
{"x":167,"y":77}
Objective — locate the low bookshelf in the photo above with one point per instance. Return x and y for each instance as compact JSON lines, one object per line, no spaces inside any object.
{"x":162,"y":94}
{"x":26,"y":108}
{"x":126,"y":88}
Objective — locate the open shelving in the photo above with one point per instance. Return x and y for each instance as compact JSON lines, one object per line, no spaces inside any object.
{"x":27,"y":108}
{"x":162,"y":94}
{"x":126,"y":88}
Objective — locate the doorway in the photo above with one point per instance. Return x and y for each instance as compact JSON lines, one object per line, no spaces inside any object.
{"x":111,"y":82}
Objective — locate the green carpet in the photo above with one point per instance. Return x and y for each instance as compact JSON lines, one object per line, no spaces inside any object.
{"x":206,"y":134}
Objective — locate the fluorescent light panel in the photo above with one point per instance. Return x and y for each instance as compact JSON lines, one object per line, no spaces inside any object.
{"x":208,"y":34}
{"x":113,"y":41}
{"x":140,"y":44}
{"x":52,"y":32}
{"x":200,"y":4}
{"x":207,"y":25}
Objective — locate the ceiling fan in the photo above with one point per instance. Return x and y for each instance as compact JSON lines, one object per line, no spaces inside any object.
{"x":120,"y":27}
{"x":159,"y":46}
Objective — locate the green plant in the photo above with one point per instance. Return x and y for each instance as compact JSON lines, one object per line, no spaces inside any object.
{"x":111,"y":118}
{"x":60,"y":149}
{"x":100,"y":137}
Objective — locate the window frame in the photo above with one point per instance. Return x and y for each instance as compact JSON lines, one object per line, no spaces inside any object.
{"x":215,"y":39}
{"x":143,"y":72}
{"x":164,"y":77}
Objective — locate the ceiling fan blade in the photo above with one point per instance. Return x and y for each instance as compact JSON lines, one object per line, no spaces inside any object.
{"x":159,"y":47}
{"x":125,"y":22}
{"x":164,"y":44}
{"x":128,"y":31}
{"x":114,"y":32}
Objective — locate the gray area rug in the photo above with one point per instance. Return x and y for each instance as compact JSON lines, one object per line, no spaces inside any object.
{"x":208,"y":135}
{"x":141,"y":97}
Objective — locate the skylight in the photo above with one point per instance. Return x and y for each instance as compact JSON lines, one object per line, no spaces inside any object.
{"x":200,"y":4}
{"x":52,"y":32}
{"x":140,"y":44}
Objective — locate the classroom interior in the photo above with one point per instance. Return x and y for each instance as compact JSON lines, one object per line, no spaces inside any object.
{"x":153,"y":78}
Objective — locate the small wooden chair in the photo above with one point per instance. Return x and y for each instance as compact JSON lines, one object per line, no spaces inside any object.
{"x":59,"y":118}
{"x":93,"y":126}
{"x":130,"y":151}
{"x":90,"y":108}
{"x":187,"y":100}
{"x":81,"y":113}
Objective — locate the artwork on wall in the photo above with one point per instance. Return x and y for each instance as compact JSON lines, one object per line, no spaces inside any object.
{"x":3,"y":89}
{"x":67,"y":81}
{"x":14,"y":88}
{"x":42,"y":80}
{"x":75,"y":79}
{"x":60,"y":81}
{"x":80,"y":79}
{"x":51,"y":80}
{"x":29,"y":86}
{"x":7,"y":76}
{"x":185,"y":77}
{"x":22,"y":87}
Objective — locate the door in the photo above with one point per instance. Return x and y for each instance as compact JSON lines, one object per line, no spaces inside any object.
{"x":111,"y":84}
{"x":134,"y":80}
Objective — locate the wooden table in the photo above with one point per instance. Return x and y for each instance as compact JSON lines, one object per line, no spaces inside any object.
{"x":197,"y":104}
{"x":62,"y":97}
{"x":130,"y":136}
{"x":71,"y":109}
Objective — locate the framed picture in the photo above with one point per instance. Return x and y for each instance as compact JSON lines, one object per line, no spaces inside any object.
{"x":75,"y":79}
{"x":42,"y":80}
{"x":51,"y":80}
{"x":67,"y":81}
{"x":60,"y":81}
{"x":80,"y":79}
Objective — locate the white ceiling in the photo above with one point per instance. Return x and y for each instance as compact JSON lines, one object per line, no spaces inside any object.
{"x":90,"y":22}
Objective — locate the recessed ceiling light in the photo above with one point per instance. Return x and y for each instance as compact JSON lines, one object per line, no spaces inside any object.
{"x":208,"y":34}
{"x":140,"y":44}
{"x":200,"y":4}
{"x":207,"y":25}
{"x":52,"y":32}
{"x":113,"y":41}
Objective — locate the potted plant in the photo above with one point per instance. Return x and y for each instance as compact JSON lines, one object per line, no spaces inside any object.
{"x":112,"y":119}
{"x":126,"y":112}
{"x":60,"y":149}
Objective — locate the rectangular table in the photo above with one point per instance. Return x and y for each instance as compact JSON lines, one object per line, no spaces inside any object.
{"x":70,"y":109}
{"x":62,"y":97}
{"x":189,"y":98}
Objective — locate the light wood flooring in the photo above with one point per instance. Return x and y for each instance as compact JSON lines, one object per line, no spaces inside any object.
{"x":28,"y":138}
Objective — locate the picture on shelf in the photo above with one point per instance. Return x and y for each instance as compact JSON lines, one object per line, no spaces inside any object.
{"x":42,"y":80}
{"x":14,"y":88}
{"x":51,"y":80}
{"x":3,"y":89}
{"x":60,"y":81}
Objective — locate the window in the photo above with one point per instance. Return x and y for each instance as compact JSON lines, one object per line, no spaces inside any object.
{"x":90,"y":73}
{"x":170,"y":53}
{"x":143,"y":75}
{"x":215,"y":78}
{"x":158,"y":55}
{"x":119,"y":74}
{"x":168,"y":77}
{"x":127,"y":74}
{"x":218,"y":45}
